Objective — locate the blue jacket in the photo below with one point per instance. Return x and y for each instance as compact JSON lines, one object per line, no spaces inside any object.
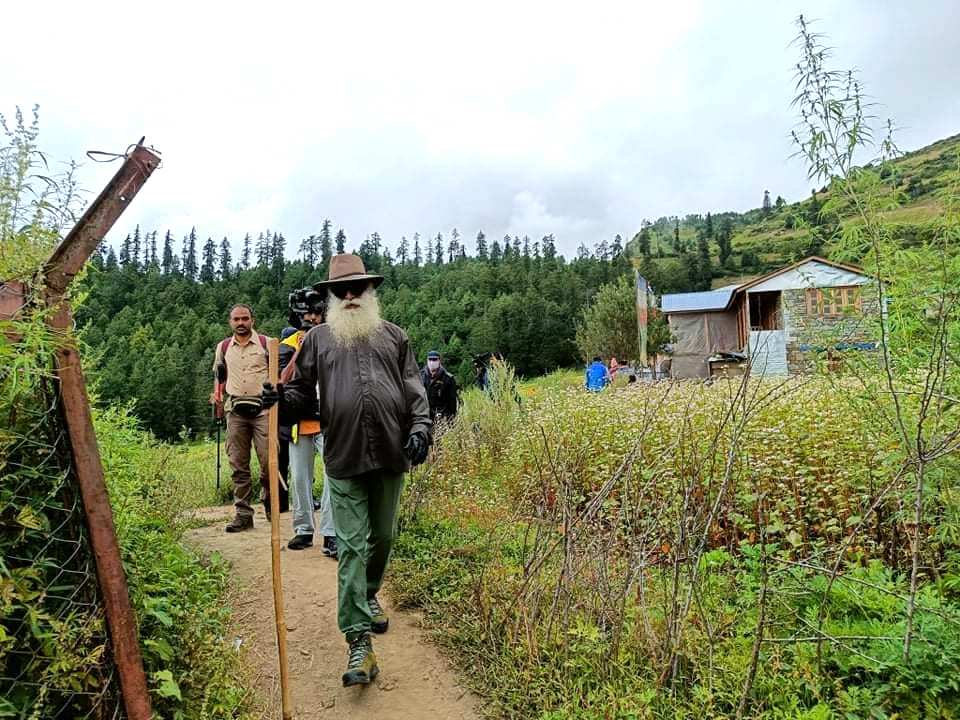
{"x":597,"y":377}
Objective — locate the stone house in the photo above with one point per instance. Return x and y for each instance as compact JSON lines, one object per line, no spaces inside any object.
{"x":779,"y":321}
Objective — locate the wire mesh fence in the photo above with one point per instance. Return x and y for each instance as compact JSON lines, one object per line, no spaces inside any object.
{"x":54,"y":654}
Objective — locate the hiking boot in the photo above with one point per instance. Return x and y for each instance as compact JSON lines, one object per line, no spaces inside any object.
{"x":329,"y":546}
{"x":379,"y":622}
{"x":300,"y":542}
{"x":239,"y":524}
{"x":361,"y":662}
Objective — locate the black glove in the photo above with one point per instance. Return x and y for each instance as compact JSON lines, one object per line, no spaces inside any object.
{"x":271,"y":395}
{"x":416,"y":448}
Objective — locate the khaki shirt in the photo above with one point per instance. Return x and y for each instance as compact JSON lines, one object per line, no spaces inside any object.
{"x":370,"y":398}
{"x":247,"y":368}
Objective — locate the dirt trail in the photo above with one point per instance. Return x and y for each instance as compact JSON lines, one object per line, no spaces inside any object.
{"x":415,"y":681}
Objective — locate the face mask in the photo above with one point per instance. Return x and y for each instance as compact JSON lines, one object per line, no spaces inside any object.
{"x":433,"y":364}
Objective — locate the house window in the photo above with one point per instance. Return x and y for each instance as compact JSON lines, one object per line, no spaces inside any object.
{"x":835,"y":301}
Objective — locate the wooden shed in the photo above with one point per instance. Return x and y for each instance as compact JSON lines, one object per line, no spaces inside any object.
{"x":776,"y":320}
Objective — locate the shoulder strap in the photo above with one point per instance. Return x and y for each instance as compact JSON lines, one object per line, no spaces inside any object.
{"x":223,"y":348}
{"x":263,"y":341}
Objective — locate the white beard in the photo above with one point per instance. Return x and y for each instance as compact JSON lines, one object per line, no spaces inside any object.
{"x":354,"y":325}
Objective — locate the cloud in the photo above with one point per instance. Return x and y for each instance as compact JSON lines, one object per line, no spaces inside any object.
{"x":527,"y":118}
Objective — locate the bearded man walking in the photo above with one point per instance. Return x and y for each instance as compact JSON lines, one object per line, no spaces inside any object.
{"x":374,"y":410}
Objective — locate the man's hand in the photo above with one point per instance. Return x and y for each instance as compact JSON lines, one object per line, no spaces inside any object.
{"x":416,"y":448}
{"x":271,"y":395}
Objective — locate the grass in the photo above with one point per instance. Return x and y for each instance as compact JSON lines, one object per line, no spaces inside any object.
{"x":181,"y":598}
{"x":552,"y":544}
{"x":935,"y":167}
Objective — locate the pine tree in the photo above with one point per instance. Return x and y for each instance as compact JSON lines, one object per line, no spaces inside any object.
{"x":245,"y":255}
{"x":482,"y":246}
{"x":190,"y":255}
{"x":549,"y":247}
{"x":583,"y":252}
{"x":341,"y":241}
{"x":417,"y":257}
{"x":209,"y":268}
{"x":724,"y":240}
{"x":676,"y":237}
{"x":403,"y":250}
{"x":643,"y":241}
{"x":429,"y":260}
{"x":616,"y":250}
{"x":438,"y":250}
{"x":507,"y":247}
{"x":703,"y":272}
{"x":278,"y":263}
{"x":264,"y":248}
{"x":495,"y":253}
{"x":453,"y":251}
{"x":125,"y":252}
{"x":602,"y":251}
{"x":110,"y":264}
{"x":326,"y":242}
{"x":153,"y":263}
{"x":225,"y":259}
{"x":167,"y":253}
{"x":99,"y":255}
{"x":135,"y":249}
{"x":309,"y":251}
{"x":526,"y":247}
{"x":516,"y":247}
{"x":709,"y":228}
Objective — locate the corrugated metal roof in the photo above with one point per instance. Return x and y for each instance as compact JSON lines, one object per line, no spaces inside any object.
{"x":711,"y":300}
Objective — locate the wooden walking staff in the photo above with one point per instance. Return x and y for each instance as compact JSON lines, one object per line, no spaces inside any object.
{"x":273,"y":466}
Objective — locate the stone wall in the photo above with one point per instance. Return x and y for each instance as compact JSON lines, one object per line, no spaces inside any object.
{"x":806,"y":333}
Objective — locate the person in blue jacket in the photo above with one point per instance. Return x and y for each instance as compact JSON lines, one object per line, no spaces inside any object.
{"x":597,"y":376}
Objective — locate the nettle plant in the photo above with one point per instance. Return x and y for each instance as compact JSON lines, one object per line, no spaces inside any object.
{"x":911,"y":387}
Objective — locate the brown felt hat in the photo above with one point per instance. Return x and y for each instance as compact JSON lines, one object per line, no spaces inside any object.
{"x":345,"y":268}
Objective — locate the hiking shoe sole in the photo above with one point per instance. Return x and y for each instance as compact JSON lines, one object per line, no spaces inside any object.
{"x":380,"y":627}
{"x":359,"y":677}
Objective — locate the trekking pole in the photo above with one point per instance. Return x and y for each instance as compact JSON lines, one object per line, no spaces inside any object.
{"x":216,"y":419}
{"x":218,"y":411}
{"x":273,"y":447}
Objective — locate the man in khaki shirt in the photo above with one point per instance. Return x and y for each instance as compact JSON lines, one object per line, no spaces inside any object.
{"x":244,"y":357}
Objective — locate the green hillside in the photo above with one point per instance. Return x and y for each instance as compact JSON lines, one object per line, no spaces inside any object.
{"x":918,"y":184}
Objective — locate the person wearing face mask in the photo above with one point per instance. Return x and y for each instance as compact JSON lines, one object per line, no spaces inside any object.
{"x":441,"y":388}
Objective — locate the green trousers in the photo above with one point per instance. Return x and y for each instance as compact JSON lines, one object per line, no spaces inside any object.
{"x":365,"y":515}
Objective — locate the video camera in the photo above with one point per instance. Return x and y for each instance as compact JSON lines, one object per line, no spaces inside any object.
{"x":303,"y":301}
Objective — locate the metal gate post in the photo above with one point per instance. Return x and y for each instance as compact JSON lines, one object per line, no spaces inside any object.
{"x":66,"y":261}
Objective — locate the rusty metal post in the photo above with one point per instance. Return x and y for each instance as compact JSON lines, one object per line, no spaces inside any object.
{"x":66,"y":261}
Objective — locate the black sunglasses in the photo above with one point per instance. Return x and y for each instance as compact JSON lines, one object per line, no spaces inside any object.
{"x":355,"y":288}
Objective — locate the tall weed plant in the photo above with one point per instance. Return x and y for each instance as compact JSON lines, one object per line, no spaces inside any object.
{"x":751,"y":548}
{"x":54,"y":656}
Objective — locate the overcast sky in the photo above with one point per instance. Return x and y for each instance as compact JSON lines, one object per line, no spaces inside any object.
{"x":578,"y":119}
